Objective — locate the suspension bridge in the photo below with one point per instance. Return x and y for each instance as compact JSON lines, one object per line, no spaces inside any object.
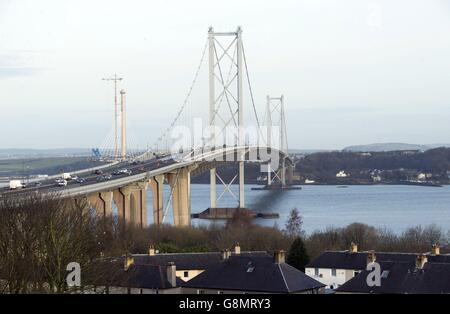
{"x":226,"y":138}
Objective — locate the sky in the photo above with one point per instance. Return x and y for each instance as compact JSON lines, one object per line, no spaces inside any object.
{"x":352,"y":72}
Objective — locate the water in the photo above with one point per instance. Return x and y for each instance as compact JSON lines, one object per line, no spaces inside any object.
{"x":393,"y":206}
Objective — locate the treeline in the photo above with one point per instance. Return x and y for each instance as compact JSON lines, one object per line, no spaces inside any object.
{"x":325,"y":165}
{"x":416,"y":239}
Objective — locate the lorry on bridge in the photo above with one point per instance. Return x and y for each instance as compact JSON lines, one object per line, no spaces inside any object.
{"x":66,"y":176}
{"x":15,"y":184}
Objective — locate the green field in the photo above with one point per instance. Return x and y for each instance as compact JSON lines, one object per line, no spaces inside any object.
{"x":50,"y":165}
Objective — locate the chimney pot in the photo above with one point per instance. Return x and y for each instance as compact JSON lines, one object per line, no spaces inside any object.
{"x":129,"y":260}
{"x":421,"y":260}
{"x":435,"y":249}
{"x":172,"y":274}
{"x":279,"y":256}
{"x":151,"y":250}
{"x":237,"y":249}
{"x":371,"y":257}
{"x":226,"y":254}
{"x":353,"y":248}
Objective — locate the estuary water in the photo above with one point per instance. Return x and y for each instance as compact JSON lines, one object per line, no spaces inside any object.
{"x":396,"y":207}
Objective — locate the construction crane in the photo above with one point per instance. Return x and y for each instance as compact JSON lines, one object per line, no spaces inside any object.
{"x":115,"y":79}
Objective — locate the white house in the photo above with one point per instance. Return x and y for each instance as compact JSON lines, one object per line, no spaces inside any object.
{"x":334,"y":268}
{"x":342,"y":174}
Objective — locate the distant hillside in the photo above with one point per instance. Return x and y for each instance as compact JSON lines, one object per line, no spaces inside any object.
{"x":386,"y":147}
{"x":52,"y":152}
{"x":380,"y":167}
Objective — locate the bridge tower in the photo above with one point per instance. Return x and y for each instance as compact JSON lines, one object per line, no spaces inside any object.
{"x":226,"y":99}
{"x":115,"y":79}
{"x":275,"y":116}
{"x":123,"y":126}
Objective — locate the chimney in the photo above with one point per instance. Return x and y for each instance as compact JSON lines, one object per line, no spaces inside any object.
{"x":371,"y":257}
{"x":421,"y":260}
{"x":151,"y":250}
{"x":226,"y":254}
{"x":279,"y":256}
{"x":129,"y":260}
{"x":353,"y":247}
{"x":435,"y":249}
{"x":172,"y":274}
{"x":237,"y":248}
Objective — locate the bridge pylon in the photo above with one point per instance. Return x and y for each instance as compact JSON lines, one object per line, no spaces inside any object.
{"x":281,"y":177}
{"x":226,"y":103}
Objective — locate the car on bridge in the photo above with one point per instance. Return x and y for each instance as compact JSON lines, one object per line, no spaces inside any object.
{"x":105,"y":177}
{"x":61,"y":182}
{"x":80,"y":180}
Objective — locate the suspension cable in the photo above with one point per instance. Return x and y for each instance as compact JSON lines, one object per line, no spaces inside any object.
{"x":251,"y":94}
{"x":188,"y":95}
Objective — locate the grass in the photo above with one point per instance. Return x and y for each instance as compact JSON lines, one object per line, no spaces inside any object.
{"x":39,"y":165}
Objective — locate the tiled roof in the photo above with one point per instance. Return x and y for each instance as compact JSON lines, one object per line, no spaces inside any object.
{"x":358,"y":260}
{"x":402,"y":278}
{"x":253,"y":273}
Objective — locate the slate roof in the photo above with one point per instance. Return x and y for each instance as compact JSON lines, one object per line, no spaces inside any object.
{"x":188,"y":261}
{"x":358,"y":260}
{"x":403,"y":278}
{"x":253,"y":273}
{"x":137,"y":276}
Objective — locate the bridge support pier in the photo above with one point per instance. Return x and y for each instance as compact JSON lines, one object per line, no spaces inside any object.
{"x":290,"y":174}
{"x":138,"y":206}
{"x":122,"y":198}
{"x":180,"y":184}
{"x":157,"y":186}
{"x":131,"y":204}
{"x":241,"y":185}
{"x":102,"y":202}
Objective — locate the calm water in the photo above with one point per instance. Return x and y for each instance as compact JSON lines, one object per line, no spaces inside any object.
{"x":394,"y":206}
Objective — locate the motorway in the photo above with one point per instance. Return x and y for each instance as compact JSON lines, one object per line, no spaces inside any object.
{"x":91,"y":178}
{"x":142,"y":170}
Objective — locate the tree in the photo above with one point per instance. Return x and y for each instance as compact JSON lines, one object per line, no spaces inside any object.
{"x":39,"y":236}
{"x":294,"y":224}
{"x":297,"y":256}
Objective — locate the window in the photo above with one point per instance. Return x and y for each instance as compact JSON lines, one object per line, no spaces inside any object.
{"x":316,"y":271}
{"x":333,"y":272}
{"x":200,"y":291}
{"x":185,"y":274}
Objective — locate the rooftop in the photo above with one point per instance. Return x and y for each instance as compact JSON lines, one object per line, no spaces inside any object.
{"x":358,"y":260}
{"x":402,"y":278}
{"x":189,"y":261}
{"x":253,"y":273}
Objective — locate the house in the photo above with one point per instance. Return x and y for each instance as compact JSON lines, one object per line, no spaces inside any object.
{"x":189,"y":265}
{"x":123,"y":276}
{"x":242,"y":274}
{"x":421,"y":176}
{"x":423,"y":277}
{"x":334,"y":268}
{"x":342,"y":174}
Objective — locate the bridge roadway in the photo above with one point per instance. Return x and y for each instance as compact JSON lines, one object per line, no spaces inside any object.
{"x":129,"y":192}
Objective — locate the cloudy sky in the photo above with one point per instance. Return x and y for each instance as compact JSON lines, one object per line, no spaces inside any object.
{"x":352,"y":72}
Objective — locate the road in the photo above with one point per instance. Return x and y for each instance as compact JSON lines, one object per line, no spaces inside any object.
{"x":49,"y":185}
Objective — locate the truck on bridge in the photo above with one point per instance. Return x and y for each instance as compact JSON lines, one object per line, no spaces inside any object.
{"x":16,"y":184}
